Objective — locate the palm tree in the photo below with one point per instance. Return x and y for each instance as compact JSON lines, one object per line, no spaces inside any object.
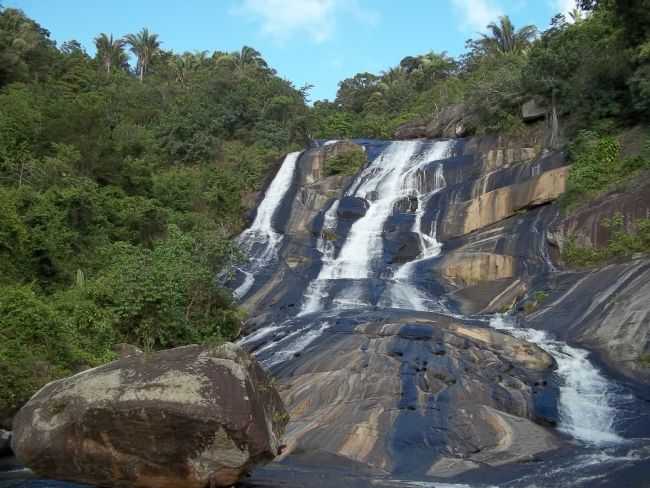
{"x":110,"y":51}
{"x":249,"y":57}
{"x":186,"y":64}
{"x":145,"y":46}
{"x":391,"y":78}
{"x":505,"y":39}
{"x":576,"y":15}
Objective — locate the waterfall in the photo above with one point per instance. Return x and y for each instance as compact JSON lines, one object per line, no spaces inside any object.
{"x":398,"y":172}
{"x":401,"y":290}
{"x":586,"y":397}
{"x":366,"y":267}
{"x":260,"y":242}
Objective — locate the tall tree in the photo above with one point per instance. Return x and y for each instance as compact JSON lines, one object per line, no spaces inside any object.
{"x":505,"y":39}
{"x":26,"y":51}
{"x":187,"y":63}
{"x":248,"y":56}
{"x":110,"y":51}
{"x":145,"y":46}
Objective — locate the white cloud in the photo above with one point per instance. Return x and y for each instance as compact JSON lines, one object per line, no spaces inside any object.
{"x":284,"y":19}
{"x":477,"y":13}
{"x":563,"y":6}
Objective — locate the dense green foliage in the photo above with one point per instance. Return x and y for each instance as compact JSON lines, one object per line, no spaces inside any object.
{"x":625,"y":241}
{"x":120,"y":191}
{"x":591,"y":71}
{"x":120,"y":186}
{"x":346,"y":163}
{"x":598,"y":166}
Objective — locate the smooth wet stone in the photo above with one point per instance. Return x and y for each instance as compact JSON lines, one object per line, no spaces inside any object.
{"x":401,"y":395}
{"x":352,"y":208}
{"x":403,"y":246}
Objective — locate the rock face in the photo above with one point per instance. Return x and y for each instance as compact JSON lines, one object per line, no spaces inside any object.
{"x":532,"y":110}
{"x":5,"y":443}
{"x":352,"y":208}
{"x":450,"y":121}
{"x":418,"y":394}
{"x":470,"y":269}
{"x":605,"y":310}
{"x":187,"y":417}
{"x":498,"y":194}
{"x":587,"y":224}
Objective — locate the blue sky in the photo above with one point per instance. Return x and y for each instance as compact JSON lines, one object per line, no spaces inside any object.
{"x":318,"y":42}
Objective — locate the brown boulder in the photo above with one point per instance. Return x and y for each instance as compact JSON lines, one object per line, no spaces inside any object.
{"x":189,"y":417}
{"x":532,"y":110}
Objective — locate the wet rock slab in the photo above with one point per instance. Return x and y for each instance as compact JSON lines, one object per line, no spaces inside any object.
{"x":421,"y":394}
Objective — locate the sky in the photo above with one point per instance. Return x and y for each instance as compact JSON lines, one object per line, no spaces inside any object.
{"x":315,"y":42}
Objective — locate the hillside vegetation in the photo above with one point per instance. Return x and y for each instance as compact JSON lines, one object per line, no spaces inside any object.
{"x":591,"y":70}
{"x":121,"y":185}
{"x":120,"y":188}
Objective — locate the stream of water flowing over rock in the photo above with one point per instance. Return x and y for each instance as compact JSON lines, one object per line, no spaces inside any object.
{"x":360,"y":272}
{"x":398,"y":173}
{"x":260,"y":241}
{"x":587,"y":399}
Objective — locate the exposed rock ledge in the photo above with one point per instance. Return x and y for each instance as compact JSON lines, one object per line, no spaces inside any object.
{"x":183,"y":418}
{"x":418,"y":394}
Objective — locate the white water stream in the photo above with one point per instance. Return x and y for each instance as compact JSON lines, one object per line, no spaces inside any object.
{"x":403,"y":170}
{"x":586,"y":397}
{"x":260,"y":241}
{"x":398,"y":172}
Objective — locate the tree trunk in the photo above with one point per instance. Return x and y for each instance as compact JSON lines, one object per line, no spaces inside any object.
{"x":22,"y":169}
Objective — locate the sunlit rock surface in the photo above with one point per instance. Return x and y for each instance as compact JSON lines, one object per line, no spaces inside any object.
{"x":454,"y":231}
{"x":187,"y":417}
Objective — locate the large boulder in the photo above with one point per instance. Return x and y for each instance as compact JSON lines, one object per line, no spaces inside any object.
{"x":532,"y":111}
{"x":189,"y":417}
{"x":352,"y":208}
{"x":587,"y":225}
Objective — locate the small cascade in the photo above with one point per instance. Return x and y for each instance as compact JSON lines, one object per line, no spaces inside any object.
{"x":326,"y":246}
{"x":364,"y":242}
{"x":586,"y":397}
{"x":399,"y":171}
{"x":292,"y":344}
{"x":402,"y":291}
{"x":260,"y":242}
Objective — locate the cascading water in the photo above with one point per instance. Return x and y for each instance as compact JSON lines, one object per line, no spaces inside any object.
{"x":395,"y":174}
{"x":401,"y":290}
{"x":414,"y":171}
{"x":586,"y":397}
{"x":260,"y":241}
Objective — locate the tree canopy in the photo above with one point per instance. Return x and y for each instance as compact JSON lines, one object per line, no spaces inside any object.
{"x":120,"y":190}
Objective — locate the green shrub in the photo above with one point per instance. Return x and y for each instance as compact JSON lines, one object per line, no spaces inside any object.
{"x":644,"y":360}
{"x":624,"y":242}
{"x":595,"y":165}
{"x":538,"y":297}
{"x":42,"y":339}
{"x":598,"y":166}
{"x":165,"y":296}
{"x":346,"y":163}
